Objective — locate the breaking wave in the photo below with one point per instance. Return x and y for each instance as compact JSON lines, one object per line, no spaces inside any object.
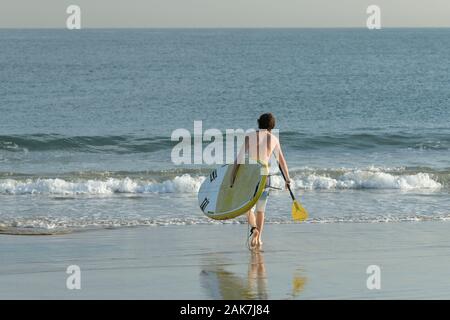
{"x":306,"y":179}
{"x":180,"y":184}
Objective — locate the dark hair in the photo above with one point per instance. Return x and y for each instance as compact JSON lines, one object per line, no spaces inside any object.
{"x":266,"y":121}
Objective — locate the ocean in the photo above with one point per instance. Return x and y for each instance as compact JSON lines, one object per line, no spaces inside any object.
{"x":86,"y":119}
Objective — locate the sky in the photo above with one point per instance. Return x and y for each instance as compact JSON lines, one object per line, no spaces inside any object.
{"x":223,"y":13}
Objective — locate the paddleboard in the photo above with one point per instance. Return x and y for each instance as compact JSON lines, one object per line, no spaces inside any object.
{"x":218,"y":200}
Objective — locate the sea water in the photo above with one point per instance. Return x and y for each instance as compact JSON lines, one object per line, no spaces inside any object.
{"x":86,"y":119}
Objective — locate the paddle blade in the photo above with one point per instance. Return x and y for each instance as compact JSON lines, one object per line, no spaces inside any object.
{"x":298,"y":212}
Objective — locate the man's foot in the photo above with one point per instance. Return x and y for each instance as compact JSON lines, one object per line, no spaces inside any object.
{"x":254,"y":233}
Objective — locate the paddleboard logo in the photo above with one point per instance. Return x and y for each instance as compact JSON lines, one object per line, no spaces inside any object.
{"x":213,"y":176}
{"x":213,"y":146}
{"x":204,"y":204}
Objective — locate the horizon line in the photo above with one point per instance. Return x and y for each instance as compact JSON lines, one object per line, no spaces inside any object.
{"x":216,"y":28}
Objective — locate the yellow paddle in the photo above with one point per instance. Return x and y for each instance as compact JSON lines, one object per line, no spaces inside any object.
{"x":298,"y":212}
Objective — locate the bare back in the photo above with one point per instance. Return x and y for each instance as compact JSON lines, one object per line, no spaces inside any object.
{"x":260,"y":145}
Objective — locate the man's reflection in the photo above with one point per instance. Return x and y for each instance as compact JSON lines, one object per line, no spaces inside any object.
{"x":257,"y":279}
{"x":222,"y":284}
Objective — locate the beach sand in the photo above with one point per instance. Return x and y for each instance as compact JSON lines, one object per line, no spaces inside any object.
{"x":298,"y":261}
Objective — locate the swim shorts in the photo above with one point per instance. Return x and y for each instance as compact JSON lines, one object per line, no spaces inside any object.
{"x":262,"y":201}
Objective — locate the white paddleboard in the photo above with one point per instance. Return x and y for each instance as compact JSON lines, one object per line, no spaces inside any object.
{"x":218,"y":200}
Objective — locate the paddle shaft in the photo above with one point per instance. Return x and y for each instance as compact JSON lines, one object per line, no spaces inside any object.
{"x":284,"y":177}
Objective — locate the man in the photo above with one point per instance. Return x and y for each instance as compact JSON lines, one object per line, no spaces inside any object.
{"x":260,"y":145}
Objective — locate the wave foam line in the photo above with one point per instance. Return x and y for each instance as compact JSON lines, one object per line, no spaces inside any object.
{"x":356,"y":179}
{"x":373,"y":178}
{"x":180,"y":184}
{"x":368,"y":180}
{"x":53,"y":225}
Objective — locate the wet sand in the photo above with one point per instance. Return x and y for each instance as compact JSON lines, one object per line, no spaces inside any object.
{"x":300,"y":261}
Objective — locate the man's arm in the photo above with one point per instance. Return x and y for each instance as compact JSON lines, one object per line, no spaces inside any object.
{"x":282,"y":162}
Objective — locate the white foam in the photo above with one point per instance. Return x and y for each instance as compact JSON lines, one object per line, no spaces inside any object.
{"x":55,"y":225}
{"x":180,"y":184}
{"x":370,"y":178}
{"x":353,"y":179}
{"x":367,"y":179}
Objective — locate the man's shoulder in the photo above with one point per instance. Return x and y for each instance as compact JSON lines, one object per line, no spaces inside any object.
{"x":274,"y":137}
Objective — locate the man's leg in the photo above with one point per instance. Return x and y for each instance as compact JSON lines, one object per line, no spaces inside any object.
{"x":251,"y":218}
{"x":260,"y":210}
{"x":252,"y":222}
{"x":260,"y":224}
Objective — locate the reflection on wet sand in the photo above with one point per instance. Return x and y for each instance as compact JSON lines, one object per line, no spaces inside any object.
{"x":223,"y":284}
{"x":257,"y":278}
